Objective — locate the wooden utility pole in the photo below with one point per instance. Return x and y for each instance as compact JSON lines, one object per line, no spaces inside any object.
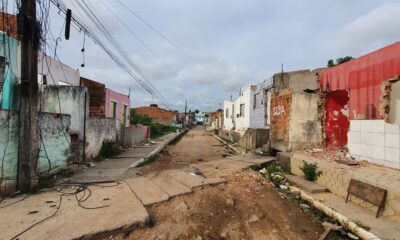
{"x":184,"y":119}
{"x":28,"y":150}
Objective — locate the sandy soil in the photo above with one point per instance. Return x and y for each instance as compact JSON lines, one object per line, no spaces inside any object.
{"x":246,"y":207}
{"x":195,"y":147}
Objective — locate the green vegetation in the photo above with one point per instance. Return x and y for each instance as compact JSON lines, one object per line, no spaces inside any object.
{"x":310,"y":171}
{"x":156,"y":129}
{"x":149,"y":161}
{"x":274,"y":173}
{"x":108,"y":149}
{"x":331,"y":63}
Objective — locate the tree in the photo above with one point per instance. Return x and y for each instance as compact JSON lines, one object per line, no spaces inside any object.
{"x":339,"y":61}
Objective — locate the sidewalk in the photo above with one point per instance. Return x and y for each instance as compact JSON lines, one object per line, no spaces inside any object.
{"x":110,"y":208}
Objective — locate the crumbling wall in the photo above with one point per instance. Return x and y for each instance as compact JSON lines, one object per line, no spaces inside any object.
{"x":54,"y":146}
{"x":135,"y":134}
{"x":254,"y":138}
{"x":297,"y":81}
{"x":231,"y":136}
{"x":66,"y":100}
{"x":305,"y":128}
{"x":98,"y":130}
{"x":281,"y":105}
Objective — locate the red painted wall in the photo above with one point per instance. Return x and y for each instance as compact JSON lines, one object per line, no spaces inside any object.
{"x":362,"y":78}
{"x":337,"y":122}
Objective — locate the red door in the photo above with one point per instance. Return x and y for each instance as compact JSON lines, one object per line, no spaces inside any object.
{"x":337,"y":121}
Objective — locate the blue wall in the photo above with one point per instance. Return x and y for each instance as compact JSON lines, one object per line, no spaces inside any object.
{"x":10,"y":51}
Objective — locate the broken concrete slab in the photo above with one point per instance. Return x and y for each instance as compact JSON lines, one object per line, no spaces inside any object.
{"x":171,"y":186}
{"x":147,"y":191}
{"x":123,"y":212}
{"x":283,"y":159}
{"x":99,"y":175}
{"x":308,"y":186}
{"x":188,"y":179}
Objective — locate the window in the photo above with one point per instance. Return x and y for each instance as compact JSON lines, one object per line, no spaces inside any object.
{"x":242,"y":110}
{"x":113,"y":109}
{"x":227,"y":113}
{"x":255,"y":100}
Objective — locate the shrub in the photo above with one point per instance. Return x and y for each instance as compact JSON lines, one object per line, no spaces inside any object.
{"x":310,"y":171}
{"x":108,"y":149}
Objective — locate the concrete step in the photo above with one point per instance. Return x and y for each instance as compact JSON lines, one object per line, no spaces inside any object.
{"x":171,"y":186}
{"x":147,"y":191}
{"x":308,"y":186}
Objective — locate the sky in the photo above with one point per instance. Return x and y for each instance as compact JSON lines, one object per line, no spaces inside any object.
{"x":224,"y":45}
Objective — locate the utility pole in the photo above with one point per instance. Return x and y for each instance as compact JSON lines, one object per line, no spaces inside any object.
{"x":184,"y":120}
{"x":28,"y":149}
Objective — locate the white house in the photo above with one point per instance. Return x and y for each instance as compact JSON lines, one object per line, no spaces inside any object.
{"x":249,"y":110}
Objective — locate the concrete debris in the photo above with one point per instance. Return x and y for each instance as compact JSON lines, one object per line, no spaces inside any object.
{"x":182,"y":206}
{"x":230,"y":201}
{"x":283,"y":187}
{"x":304,"y":206}
{"x":253,"y":218}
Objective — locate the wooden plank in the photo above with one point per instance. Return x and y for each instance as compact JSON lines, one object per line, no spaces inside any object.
{"x":368,"y":193}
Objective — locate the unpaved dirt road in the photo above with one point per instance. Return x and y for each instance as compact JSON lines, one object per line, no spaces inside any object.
{"x":247,"y":206}
{"x":195,"y":147}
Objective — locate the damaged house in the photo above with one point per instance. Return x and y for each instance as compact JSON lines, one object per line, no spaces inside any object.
{"x":245,"y":118}
{"x":362,"y":106}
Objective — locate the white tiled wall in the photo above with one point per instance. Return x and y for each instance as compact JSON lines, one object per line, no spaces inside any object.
{"x":375,"y":141}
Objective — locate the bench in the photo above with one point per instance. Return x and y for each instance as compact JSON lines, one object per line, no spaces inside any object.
{"x":368,"y":193}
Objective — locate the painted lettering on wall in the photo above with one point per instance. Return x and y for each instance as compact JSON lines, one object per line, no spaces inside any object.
{"x":278,"y":110}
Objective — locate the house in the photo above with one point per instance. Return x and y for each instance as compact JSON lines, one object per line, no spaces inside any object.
{"x":107,"y":103}
{"x":362,"y":99}
{"x":247,"y":111}
{"x":199,"y":117}
{"x":159,"y":115}
{"x":214,"y":120}
{"x":295,"y":112}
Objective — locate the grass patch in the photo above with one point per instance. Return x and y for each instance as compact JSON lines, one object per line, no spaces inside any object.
{"x":108,"y":149}
{"x":310,"y":171}
{"x":149,"y":161}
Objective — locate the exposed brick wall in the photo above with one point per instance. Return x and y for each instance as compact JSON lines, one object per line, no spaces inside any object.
{"x":280,"y":116}
{"x":8,"y":24}
{"x":97,"y":97}
{"x":158,"y":114}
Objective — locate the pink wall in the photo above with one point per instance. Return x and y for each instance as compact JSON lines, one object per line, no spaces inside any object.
{"x":120,"y":99}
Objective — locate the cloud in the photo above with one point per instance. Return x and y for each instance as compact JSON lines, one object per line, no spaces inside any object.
{"x":376,"y":28}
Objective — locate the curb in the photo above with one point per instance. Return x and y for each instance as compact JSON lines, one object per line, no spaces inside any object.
{"x":156,"y":150}
{"x":227,"y":144}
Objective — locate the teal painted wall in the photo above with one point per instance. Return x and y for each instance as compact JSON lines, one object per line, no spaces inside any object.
{"x":54,"y":146}
{"x":10,"y":51}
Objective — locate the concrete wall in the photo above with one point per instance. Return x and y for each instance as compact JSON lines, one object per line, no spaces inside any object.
{"x":257,"y":108}
{"x":54,"y":146}
{"x":394,"y":113}
{"x":375,"y":141}
{"x":295,"y":121}
{"x":135,"y":134}
{"x":97,"y":130}
{"x":121,"y":100}
{"x":254,"y":138}
{"x":305,"y":126}
{"x":297,"y":81}
{"x":229,"y":135}
{"x":56,"y":72}
{"x":72,"y":100}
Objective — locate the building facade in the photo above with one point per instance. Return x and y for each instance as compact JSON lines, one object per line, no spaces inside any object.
{"x":363,"y":106}
{"x":159,"y":115}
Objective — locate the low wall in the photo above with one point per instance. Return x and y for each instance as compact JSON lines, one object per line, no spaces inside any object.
{"x":336,"y":177}
{"x":254,"y":138}
{"x":135,"y":134}
{"x":229,"y":135}
{"x":97,"y":130}
{"x":54,"y":146}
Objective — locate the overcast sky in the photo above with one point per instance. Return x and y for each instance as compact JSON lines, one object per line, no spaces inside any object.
{"x":231,"y":43}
